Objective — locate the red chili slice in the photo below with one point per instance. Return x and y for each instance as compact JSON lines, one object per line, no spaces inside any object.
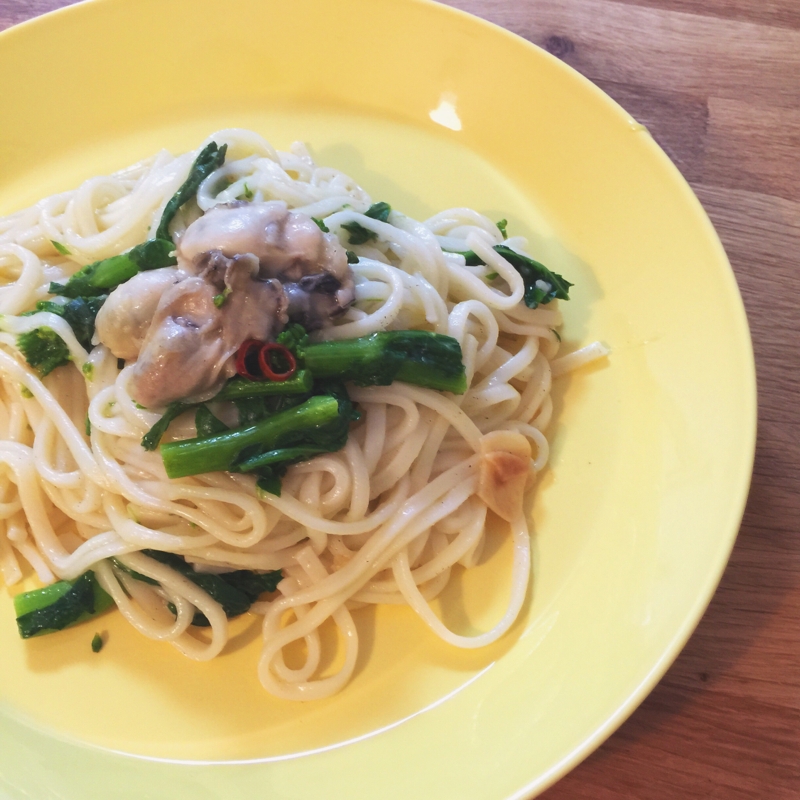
{"x":247,"y":360}
{"x":266,"y":367}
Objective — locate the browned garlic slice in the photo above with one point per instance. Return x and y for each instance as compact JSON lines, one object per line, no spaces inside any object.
{"x":504,"y":469}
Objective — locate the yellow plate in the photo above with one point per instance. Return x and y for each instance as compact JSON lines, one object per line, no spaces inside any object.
{"x":652,"y":451}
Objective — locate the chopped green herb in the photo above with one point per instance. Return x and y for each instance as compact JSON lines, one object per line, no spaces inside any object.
{"x":358,"y":233}
{"x":220,"y":298}
{"x":87,"y":426}
{"x":379,"y":211}
{"x":247,"y":193}
{"x":501,"y":226}
{"x":88,"y":370}
{"x":65,"y":251}
{"x":556,"y":334}
{"x":26,"y":392}
{"x":97,"y":643}
{"x":492,"y":276}
{"x":321,"y":225}
{"x":352,"y":258}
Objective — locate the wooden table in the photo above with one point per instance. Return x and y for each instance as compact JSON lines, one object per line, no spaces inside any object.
{"x":717,"y":82}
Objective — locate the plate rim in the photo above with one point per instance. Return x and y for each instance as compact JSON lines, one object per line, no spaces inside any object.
{"x":713,"y":577}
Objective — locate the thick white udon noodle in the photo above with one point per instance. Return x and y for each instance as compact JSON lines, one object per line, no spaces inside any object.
{"x":385,"y":520}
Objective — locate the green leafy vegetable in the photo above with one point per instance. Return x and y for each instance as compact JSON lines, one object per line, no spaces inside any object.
{"x":285,"y":456}
{"x":541,"y":285}
{"x":361,"y":235}
{"x":234,"y":591}
{"x":138,"y":575}
{"x":207,"y":424}
{"x":253,"y":584}
{"x":294,"y":338}
{"x":238,"y":390}
{"x":471,"y":258}
{"x":251,"y":410}
{"x":43,"y":349}
{"x":80,"y":313}
{"x":300,"y":383}
{"x":321,"y":225}
{"x":103,"y":276}
{"x":352,"y":258}
{"x":60,"y":248}
{"x":151,"y":439}
{"x":60,"y":605}
{"x":211,"y":157}
{"x":304,"y":424}
{"x":270,"y":463}
{"x":419,"y":357}
{"x":97,"y":643}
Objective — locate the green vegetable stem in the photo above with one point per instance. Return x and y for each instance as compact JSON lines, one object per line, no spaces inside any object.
{"x":60,"y":605}
{"x":237,"y":389}
{"x":102,"y":276}
{"x":423,"y":358}
{"x":220,"y":452}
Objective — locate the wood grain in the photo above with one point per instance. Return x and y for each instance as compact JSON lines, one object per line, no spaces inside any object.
{"x":717,"y":82}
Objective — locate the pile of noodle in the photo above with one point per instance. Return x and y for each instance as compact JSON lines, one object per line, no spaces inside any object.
{"x":385,"y":520}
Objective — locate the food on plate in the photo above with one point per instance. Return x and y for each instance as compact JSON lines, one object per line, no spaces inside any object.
{"x":232,"y":382}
